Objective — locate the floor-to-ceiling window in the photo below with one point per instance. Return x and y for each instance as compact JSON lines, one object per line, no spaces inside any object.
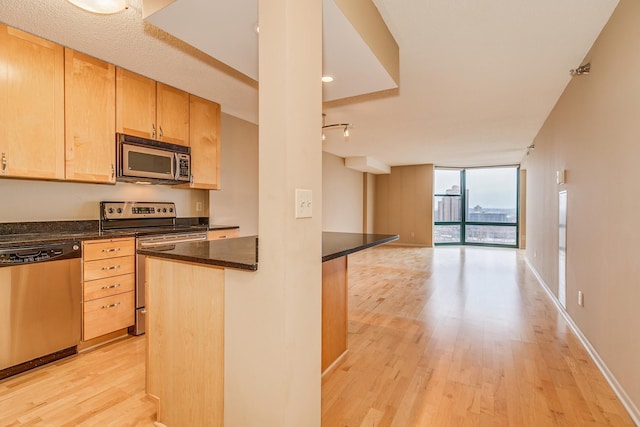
{"x":476,"y":206}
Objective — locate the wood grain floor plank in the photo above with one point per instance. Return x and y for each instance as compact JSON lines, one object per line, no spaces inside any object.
{"x":460,"y":337}
{"x":101,"y":387}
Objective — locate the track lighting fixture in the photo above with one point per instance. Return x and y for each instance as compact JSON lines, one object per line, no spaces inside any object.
{"x":344,"y":126}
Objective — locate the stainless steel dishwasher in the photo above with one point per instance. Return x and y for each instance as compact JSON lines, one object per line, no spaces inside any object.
{"x":40,"y":305}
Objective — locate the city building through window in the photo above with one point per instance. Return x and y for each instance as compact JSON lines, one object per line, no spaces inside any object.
{"x":476,"y":206}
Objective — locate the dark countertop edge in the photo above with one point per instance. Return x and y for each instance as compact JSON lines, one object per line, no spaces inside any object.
{"x":358,"y":248}
{"x":193,"y":260}
{"x":88,"y":231}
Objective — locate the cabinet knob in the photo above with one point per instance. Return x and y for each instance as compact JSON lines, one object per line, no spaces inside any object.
{"x":4,"y":162}
{"x":160,"y":127}
{"x":153,"y":130}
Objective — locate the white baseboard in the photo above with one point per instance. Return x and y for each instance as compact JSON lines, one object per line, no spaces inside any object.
{"x":631,"y":408}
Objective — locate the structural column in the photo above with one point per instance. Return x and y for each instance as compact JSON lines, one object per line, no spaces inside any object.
{"x":273,"y":317}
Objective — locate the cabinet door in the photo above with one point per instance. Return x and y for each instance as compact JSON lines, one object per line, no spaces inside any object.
{"x":31,"y":106}
{"x":90,"y":109}
{"x":172,"y":114}
{"x":135,"y":104}
{"x":205,"y":143}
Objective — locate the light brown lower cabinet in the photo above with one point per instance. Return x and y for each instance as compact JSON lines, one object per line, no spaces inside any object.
{"x":334,"y":311}
{"x":108,"y":296}
{"x":185,"y":342}
{"x":223,"y":234}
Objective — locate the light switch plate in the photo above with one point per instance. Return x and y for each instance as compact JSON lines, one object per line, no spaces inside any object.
{"x":303,"y":203}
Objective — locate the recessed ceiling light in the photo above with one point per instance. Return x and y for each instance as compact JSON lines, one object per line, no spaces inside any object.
{"x":327,"y":79}
{"x":104,"y":7}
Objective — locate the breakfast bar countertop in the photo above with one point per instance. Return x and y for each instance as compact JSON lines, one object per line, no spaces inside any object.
{"x":242,"y":252}
{"x":336,"y":245}
{"x":239,"y":253}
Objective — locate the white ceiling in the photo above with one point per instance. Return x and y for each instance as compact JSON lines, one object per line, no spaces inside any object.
{"x":477,"y":78}
{"x":227,"y":31}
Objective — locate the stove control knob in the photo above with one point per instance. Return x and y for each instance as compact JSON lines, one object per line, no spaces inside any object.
{"x":170,"y":209}
{"x":110,"y":210}
{"x":119,"y":210}
{"x":164,"y":210}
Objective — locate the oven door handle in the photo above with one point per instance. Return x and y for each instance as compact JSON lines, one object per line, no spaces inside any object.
{"x":170,"y":242}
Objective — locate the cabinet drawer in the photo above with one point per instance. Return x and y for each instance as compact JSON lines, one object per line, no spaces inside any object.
{"x":108,"y":267}
{"x":222,"y":234}
{"x":101,"y":249}
{"x":109,"y":314}
{"x":101,"y":288}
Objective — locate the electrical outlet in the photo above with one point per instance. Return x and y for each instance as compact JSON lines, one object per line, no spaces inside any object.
{"x":198,"y":206}
{"x":580,"y":299}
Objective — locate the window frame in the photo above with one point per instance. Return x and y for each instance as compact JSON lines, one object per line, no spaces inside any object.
{"x":463,"y":223}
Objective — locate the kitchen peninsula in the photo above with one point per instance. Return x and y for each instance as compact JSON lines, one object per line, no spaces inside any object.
{"x":185,"y":320}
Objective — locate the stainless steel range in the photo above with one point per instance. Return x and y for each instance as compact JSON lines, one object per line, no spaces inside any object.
{"x":154,"y":225}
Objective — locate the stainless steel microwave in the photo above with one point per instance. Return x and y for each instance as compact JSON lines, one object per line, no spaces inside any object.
{"x":148,"y":161}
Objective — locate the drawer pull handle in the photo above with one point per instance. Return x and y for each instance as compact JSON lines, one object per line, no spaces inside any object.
{"x":113,"y":267}
{"x":111,"y":250}
{"x":117,"y":285}
{"x":111,"y":305}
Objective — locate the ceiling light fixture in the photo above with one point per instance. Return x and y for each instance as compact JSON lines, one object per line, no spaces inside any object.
{"x":581,"y":70}
{"x":103,"y":7}
{"x":344,"y":126}
{"x":327,"y":79}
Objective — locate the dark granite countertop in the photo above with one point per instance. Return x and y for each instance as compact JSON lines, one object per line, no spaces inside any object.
{"x":33,"y":233}
{"x":242,"y":252}
{"x":239,"y":253}
{"x":336,"y":245}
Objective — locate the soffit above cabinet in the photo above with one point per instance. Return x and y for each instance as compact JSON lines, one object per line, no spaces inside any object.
{"x":227,"y":32}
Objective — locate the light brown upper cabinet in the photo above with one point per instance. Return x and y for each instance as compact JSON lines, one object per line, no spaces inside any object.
{"x":204,"y":124}
{"x":90,"y":109}
{"x":173,"y":114}
{"x":152,"y":110}
{"x":31,"y":106}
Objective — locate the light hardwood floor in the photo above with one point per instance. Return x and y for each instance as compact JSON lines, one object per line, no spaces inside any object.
{"x":101,"y":387}
{"x":460,"y":337}
{"x":437,"y":337}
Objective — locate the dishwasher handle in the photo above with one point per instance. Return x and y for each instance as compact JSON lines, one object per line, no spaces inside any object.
{"x":32,"y":254}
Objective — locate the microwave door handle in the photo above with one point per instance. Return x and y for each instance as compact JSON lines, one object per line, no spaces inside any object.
{"x":176,"y":166}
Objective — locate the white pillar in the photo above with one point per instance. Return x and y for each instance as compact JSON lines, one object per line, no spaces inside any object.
{"x":273,"y":316}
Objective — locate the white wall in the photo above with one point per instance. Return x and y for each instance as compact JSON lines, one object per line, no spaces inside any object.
{"x":26,"y":200}
{"x":236,"y":203}
{"x":342,"y":198}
